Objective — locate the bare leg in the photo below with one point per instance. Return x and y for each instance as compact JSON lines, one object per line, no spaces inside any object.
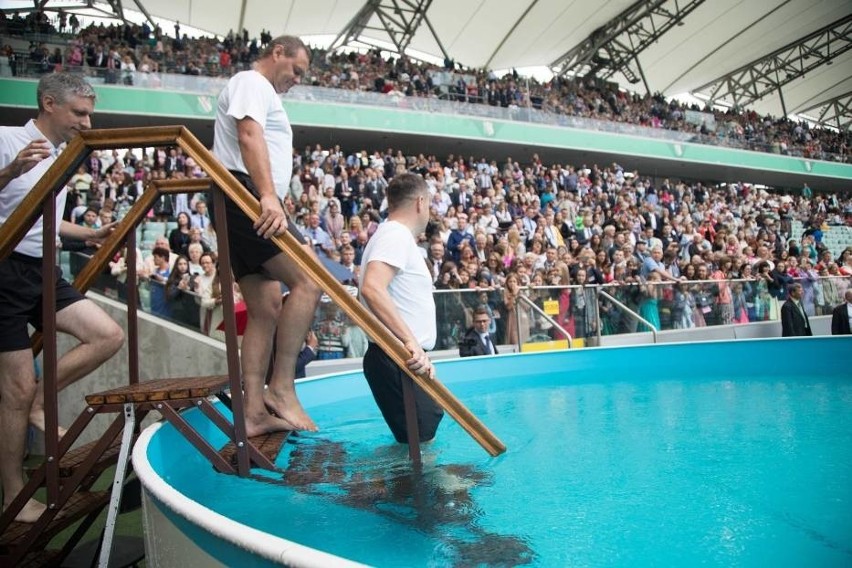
{"x":17,"y":389}
{"x":293,"y":323}
{"x":100,"y":338}
{"x":263,"y":305}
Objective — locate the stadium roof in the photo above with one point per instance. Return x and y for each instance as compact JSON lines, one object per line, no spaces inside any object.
{"x":724,"y":49}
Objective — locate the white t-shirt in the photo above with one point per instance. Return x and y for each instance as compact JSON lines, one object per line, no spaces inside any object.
{"x":12,"y":141}
{"x":411,"y":288}
{"x":250,"y":94}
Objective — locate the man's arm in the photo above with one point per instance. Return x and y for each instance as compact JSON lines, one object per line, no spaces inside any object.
{"x":255,"y":156}
{"x":27,"y":158}
{"x":374,"y":289}
{"x":80,"y":233}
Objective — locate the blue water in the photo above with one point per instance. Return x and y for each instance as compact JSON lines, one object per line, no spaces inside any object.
{"x":743,"y":470}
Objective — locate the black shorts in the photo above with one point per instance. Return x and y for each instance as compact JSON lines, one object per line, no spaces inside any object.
{"x":21,"y":299}
{"x":248,"y":250}
{"x":385,"y":379}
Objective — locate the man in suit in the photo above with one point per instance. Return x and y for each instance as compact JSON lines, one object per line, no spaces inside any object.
{"x":794,"y":320}
{"x":477,"y":340}
{"x":841,"y":316}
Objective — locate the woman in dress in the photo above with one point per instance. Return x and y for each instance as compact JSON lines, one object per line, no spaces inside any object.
{"x":649,"y":308}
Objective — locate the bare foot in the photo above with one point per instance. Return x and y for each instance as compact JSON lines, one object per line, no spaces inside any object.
{"x":37,"y":420}
{"x":31,"y":512}
{"x":288,"y":407}
{"x":266,"y":424}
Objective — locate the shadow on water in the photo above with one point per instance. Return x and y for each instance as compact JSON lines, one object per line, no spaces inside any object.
{"x":434,"y":499}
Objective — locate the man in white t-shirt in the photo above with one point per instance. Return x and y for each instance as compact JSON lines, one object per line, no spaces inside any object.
{"x":65,"y":106}
{"x":253,"y":139}
{"x":396,"y":286}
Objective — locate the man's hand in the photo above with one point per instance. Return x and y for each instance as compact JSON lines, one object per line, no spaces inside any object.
{"x":99,"y":235}
{"x":272,"y":219}
{"x":32,"y":154}
{"x":419,"y":364}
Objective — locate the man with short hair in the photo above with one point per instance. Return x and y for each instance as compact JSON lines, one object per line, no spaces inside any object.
{"x":65,"y":105}
{"x":254,"y":140}
{"x":841,"y":316}
{"x":794,"y":320}
{"x":397,"y":288}
{"x":477,"y":340}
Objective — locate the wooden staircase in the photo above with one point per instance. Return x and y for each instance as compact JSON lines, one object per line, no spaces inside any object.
{"x":69,"y":475}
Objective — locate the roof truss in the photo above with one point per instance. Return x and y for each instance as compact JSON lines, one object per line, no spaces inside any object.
{"x":400,"y":20}
{"x":615,"y":46}
{"x":757,"y":79}
{"x":836,"y":112}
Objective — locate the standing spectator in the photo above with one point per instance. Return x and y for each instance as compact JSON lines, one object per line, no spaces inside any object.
{"x":254,"y":140}
{"x":179,"y":294}
{"x":841,"y":316}
{"x":158,"y":278}
{"x":794,"y":320}
{"x":200,"y":219}
{"x":477,"y":340}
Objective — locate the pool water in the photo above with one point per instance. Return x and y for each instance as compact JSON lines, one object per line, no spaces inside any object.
{"x":739,"y":470}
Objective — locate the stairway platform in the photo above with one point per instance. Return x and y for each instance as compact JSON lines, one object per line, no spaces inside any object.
{"x":268,"y":445}
{"x":184,"y":388}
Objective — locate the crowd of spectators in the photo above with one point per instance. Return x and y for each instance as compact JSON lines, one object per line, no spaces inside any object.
{"x":680,"y":254}
{"x":127,"y":53}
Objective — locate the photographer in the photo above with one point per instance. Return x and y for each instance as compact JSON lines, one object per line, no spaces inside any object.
{"x":477,"y":340}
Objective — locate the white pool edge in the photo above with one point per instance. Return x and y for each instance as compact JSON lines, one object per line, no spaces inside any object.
{"x":253,"y":541}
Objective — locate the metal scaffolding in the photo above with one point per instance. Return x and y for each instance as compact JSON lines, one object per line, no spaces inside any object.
{"x":615,"y":46}
{"x":768,"y":74}
{"x":399,"y":19}
{"x":836,"y":112}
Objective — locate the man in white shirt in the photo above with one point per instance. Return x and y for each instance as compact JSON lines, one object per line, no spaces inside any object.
{"x":66,"y":103}
{"x":396,"y":287}
{"x":254,"y":140}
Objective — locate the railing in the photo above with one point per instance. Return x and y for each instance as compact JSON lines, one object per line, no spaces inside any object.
{"x":614,"y":309}
{"x":631,"y":313}
{"x":541,"y":313}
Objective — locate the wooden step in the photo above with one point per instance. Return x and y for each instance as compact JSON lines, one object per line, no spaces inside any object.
{"x":75,"y":458}
{"x":161,"y":389}
{"x":78,"y":506}
{"x":267,"y":444}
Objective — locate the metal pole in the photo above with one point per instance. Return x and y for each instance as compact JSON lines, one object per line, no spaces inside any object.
{"x":631,"y":312}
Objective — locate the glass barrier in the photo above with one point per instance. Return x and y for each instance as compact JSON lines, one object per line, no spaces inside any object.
{"x":212,"y":85}
{"x":585,"y":312}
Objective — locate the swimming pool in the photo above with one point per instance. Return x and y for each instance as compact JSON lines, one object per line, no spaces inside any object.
{"x":720,"y":453}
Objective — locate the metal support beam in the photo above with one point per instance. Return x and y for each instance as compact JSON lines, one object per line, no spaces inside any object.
{"x":836,"y":112}
{"x":145,"y":13}
{"x":755,"y":80}
{"x":399,"y":19}
{"x":615,"y":46}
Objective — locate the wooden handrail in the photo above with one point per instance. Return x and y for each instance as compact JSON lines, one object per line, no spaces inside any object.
{"x":66,"y":164}
{"x":234,"y":190}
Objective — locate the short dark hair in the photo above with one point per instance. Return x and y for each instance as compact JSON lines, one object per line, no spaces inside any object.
{"x":481,"y":311}
{"x":161,"y":252}
{"x":291,"y":45}
{"x":403,"y":188}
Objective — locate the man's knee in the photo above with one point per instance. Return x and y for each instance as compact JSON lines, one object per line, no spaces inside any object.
{"x":19,"y":389}
{"x":111,"y":339}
